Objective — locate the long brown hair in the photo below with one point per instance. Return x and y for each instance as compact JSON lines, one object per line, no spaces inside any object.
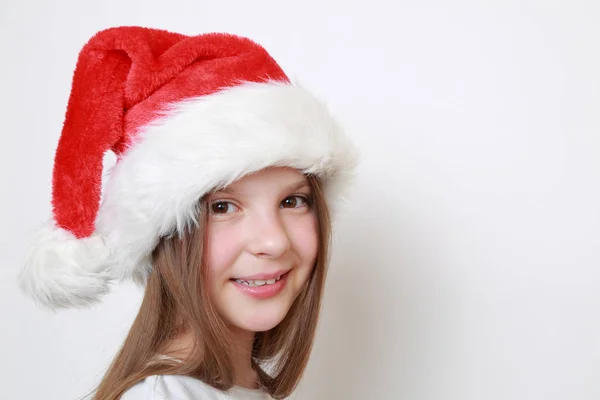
{"x":176,"y":297}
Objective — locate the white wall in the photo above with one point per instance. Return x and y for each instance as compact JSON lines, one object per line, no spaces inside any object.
{"x":469,"y":268}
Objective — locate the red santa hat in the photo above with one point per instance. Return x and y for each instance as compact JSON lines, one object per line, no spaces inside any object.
{"x":184,"y":115}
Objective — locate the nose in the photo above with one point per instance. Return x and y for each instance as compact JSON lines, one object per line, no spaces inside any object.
{"x":268,"y":236}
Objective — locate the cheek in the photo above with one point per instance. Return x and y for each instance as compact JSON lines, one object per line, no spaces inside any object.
{"x":305,"y":239}
{"x":223,"y":247}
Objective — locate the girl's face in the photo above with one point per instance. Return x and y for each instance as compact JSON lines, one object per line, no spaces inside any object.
{"x":261,"y":247}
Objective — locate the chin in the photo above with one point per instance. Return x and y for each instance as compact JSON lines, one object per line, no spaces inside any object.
{"x":261,"y":319}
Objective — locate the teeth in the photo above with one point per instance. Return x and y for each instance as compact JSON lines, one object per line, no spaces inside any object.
{"x":258,"y":282}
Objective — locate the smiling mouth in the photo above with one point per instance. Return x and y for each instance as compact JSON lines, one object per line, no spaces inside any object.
{"x":259,"y":282}
{"x":262,"y":289}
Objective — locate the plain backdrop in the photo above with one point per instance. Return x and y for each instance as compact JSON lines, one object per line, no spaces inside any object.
{"x":468,"y":267}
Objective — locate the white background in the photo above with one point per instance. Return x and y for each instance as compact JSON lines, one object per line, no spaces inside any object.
{"x":468,"y":268}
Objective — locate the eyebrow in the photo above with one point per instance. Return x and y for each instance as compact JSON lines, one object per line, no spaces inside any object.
{"x":295,"y":186}
{"x":288,"y":188}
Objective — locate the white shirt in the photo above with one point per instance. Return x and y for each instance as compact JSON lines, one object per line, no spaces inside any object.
{"x":178,"y":387}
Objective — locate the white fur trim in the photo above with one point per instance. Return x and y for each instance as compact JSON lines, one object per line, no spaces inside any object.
{"x":63,"y":271}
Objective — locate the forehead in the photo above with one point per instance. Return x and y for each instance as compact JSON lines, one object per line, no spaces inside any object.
{"x":269,"y":179}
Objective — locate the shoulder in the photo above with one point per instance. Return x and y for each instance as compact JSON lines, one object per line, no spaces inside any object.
{"x":178,"y":387}
{"x":169,"y":387}
{"x":143,"y":390}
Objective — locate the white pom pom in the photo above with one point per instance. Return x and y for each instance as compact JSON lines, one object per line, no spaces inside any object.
{"x":64,"y":271}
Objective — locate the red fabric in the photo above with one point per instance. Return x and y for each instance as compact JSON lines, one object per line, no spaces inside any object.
{"x":123,"y":78}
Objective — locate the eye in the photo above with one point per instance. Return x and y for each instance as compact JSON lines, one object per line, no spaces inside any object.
{"x":295,"y":202}
{"x":223,"y":207}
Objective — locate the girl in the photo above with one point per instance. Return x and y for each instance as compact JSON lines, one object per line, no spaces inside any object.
{"x":219,"y":204}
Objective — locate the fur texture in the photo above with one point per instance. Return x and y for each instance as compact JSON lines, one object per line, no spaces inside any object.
{"x":62,"y":270}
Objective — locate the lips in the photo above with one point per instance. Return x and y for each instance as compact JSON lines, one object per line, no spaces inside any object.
{"x":264,"y":276}
{"x":264,"y":290}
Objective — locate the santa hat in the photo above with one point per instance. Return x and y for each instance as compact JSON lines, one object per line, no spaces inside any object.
{"x":184,"y":115}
